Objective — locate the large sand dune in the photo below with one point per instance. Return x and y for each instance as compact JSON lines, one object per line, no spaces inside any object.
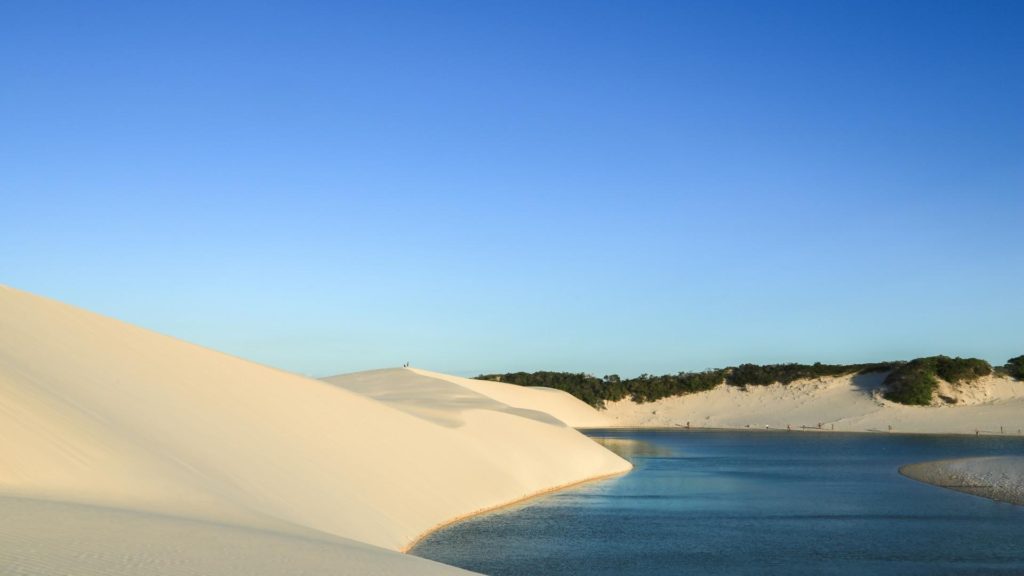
{"x":130,"y":436}
{"x":993,"y":405}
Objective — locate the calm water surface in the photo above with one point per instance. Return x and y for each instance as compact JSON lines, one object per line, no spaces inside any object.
{"x":752,"y":503}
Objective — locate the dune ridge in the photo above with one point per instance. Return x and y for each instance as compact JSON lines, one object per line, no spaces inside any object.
{"x":106,"y":419}
{"x":543,"y":401}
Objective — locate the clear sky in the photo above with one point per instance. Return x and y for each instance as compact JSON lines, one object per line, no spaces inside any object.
{"x":489,"y":186}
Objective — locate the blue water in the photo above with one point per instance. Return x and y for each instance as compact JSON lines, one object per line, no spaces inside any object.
{"x":752,"y":503}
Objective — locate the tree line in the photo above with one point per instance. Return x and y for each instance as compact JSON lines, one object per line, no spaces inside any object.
{"x":907,"y":382}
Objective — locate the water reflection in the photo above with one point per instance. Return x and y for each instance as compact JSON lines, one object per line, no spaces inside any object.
{"x":630,"y":448}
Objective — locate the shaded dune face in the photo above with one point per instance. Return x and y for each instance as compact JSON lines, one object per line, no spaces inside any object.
{"x":431,"y":399}
{"x":440,"y":396}
{"x":98,"y":412}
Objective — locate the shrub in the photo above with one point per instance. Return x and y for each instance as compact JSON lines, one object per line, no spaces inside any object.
{"x":648,"y":388}
{"x":1015,"y":367}
{"x":592,"y":390}
{"x":754,"y":375}
{"x":916,"y":381}
{"x":958,"y":369}
{"x":913,"y":383}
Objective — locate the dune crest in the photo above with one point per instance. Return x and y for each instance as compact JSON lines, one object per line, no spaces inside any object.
{"x":543,"y":402}
{"x":104,"y":415}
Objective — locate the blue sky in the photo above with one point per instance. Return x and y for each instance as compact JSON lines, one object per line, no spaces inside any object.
{"x":488,"y":186}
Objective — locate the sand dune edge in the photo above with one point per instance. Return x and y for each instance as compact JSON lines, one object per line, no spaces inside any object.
{"x":101,"y":414}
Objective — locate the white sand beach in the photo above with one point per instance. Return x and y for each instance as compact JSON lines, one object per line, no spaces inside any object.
{"x":997,"y":478}
{"x":992,"y":405}
{"x":162,"y":457}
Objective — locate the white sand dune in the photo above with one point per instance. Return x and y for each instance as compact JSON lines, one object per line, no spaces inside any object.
{"x":45,"y":538}
{"x":421,"y":395}
{"x":993,"y":405}
{"x":999,"y":478}
{"x":131,"y":435}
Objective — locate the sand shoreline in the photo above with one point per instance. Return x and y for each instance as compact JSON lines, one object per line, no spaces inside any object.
{"x":996,"y":478}
{"x":808,"y":429}
{"x":408,"y":548}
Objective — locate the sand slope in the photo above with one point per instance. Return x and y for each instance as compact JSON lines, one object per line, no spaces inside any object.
{"x":847,"y":403}
{"x":44,"y":538}
{"x":535,"y":402}
{"x":101,"y":413}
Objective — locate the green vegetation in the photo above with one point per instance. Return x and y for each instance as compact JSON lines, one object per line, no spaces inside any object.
{"x":754,"y":375}
{"x":958,"y":369}
{"x":1015,"y":367}
{"x":647,"y":388}
{"x":916,"y":381}
{"x":592,"y":390}
{"x":912,"y":384}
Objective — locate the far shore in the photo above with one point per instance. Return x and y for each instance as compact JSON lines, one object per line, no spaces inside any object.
{"x":991,"y":406}
{"x":762,"y":429}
